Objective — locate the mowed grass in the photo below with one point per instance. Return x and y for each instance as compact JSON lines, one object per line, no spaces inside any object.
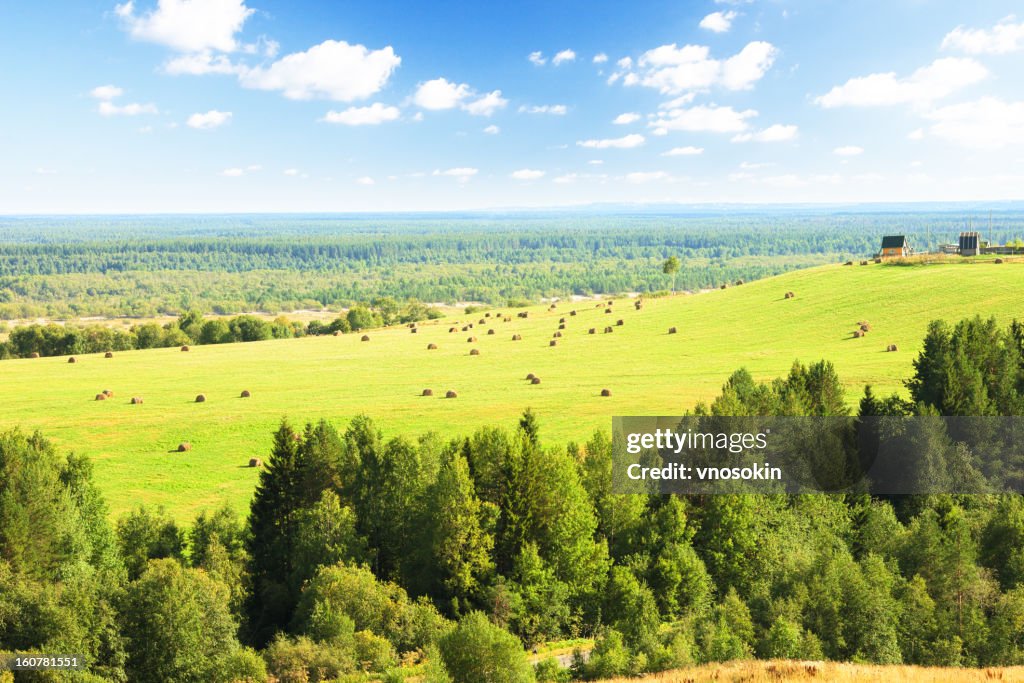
{"x":647,"y":370}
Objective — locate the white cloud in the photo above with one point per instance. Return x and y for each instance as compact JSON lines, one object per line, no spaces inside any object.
{"x":492,"y":130}
{"x":188,"y":25}
{"x":627,"y":118}
{"x":680,"y":101}
{"x":291,"y":172}
{"x":774,"y":133}
{"x":705,"y":118}
{"x":201,"y":64}
{"x":486,"y":105}
{"x":987,"y":123}
{"x":848,"y":151}
{"x":1005,"y":37}
{"x":365,"y":180}
{"x":233,"y":172}
{"x":718,"y":22}
{"x":596,"y":162}
{"x":935,"y":81}
{"x":916,"y":134}
{"x":687,"y":151}
{"x":333,"y":70}
{"x":462,"y":173}
{"x":211,"y":119}
{"x":527,"y":174}
{"x":600,"y":58}
{"x":372,"y":115}
{"x":562,"y":57}
{"x":625,"y":63}
{"x":639,"y":177}
{"x":625,"y":142}
{"x":254,"y":167}
{"x":537,"y":58}
{"x":567,"y":178}
{"x":553,"y":109}
{"x":133,"y":109}
{"x":673,"y":70}
{"x":660,"y":131}
{"x":753,"y":165}
{"x":106,"y":92}
{"x":439,"y":94}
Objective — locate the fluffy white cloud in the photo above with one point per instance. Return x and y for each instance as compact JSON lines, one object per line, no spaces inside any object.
{"x":333,"y":70}
{"x":291,"y":172}
{"x":848,"y":151}
{"x":537,"y":58}
{"x":492,"y":130}
{"x":211,"y":119}
{"x":233,"y":172}
{"x":372,"y":115}
{"x":718,"y":22}
{"x":625,"y":142}
{"x":563,"y":56}
{"x":987,"y":123}
{"x":439,"y":94}
{"x":639,"y":177}
{"x":201,"y":64}
{"x":705,"y":118}
{"x":526,"y":174}
{"x":108,"y":108}
{"x":462,"y":173}
{"x":106,"y":92}
{"x":688,"y":151}
{"x":674,"y":70}
{"x":774,"y":133}
{"x":188,"y":25}
{"x":916,"y":134}
{"x":486,"y":105}
{"x":553,"y":109}
{"x":627,"y":118}
{"x":1005,"y":37}
{"x":927,"y":84}
{"x":365,"y":180}
{"x":600,"y":58}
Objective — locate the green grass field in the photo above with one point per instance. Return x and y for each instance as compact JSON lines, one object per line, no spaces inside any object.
{"x":647,"y":370}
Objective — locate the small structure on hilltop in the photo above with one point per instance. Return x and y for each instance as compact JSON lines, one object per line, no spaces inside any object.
{"x":895,"y":246}
{"x":970,"y":243}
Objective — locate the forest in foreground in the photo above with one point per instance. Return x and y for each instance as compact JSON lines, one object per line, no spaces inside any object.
{"x":364,"y":558}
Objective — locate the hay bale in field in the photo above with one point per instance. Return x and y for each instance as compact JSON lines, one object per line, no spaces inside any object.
{"x":108,"y":354}
{"x":535,"y":380}
{"x":999,"y":260}
{"x":606,"y":392}
{"x":136,"y":401}
{"x":431,"y":347}
{"x":620,"y":323}
{"x":482,"y":321}
{"x":857,"y":334}
{"x":561,"y":320}
{"x":607,"y":310}
{"x":201,"y":398}
{"x":474,"y":352}
{"x":101,"y":397}
{"x":72,"y":360}
{"x":592,"y":330}
{"x":465,"y":328}
{"x":878,"y":260}
{"x":508,"y":319}
{"x":184,"y":446}
{"x":556,"y":335}
{"x":865,"y":327}
{"x":848,"y":263}
{"x":573,"y":312}
{"x":451,"y":394}
{"x":523,"y":314}
{"x":863,"y":263}
{"x":471,"y":339}
{"x":517,"y":337}
{"x":609,"y":330}
{"x":552,"y":307}
{"x":891,"y":347}
{"x":553,"y":342}
{"x":487,"y":315}
{"x":427,"y":392}
{"x":724,"y":285}
{"x":562,"y":326}
{"x":530,"y":376}
{"x":108,"y":393}
{"x":490,"y":331}
{"x":245,"y":394}
{"x":185,"y":348}
{"x":34,"y":354}
{"x":414,"y":330}
{"x":789,"y":295}
{"x":739,"y":282}
{"x":470,"y":326}
{"x":672,"y":330}
{"x":337,"y":334}
{"x":452,"y":329}
{"x":365,"y":337}
{"x":255,"y":462}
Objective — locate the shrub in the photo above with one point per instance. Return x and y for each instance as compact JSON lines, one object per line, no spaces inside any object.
{"x":477,"y":650}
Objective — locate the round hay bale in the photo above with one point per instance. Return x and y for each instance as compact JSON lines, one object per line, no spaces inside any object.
{"x":562,"y":326}
{"x":411,"y":325}
{"x":108,"y":393}
{"x":573,"y":312}
{"x":535,"y":380}
{"x":465,"y":328}
{"x":609,"y":330}
{"x":414,"y":330}
{"x":255,"y":462}
{"x":865,"y":327}
{"x":451,"y":394}
{"x":491,"y":331}
{"x":857,"y":334}
{"x":592,"y":330}
{"x":185,"y":348}
{"x":530,"y":376}
{"x":999,"y":260}
{"x":108,"y":354}
{"x":552,"y":307}
{"x":136,"y":401}
{"x":245,"y":394}
{"x":487,"y":315}
{"x":200,"y":398}
{"x":34,"y":354}
{"x":427,"y":392}
{"x":724,"y":285}
{"x":790,"y":295}
{"x":890,"y":348}
{"x":848,"y":263}
{"x":523,"y":314}
{"x":470,"y":325}
{"x":337,"y":334}
{"x":561,"y":320}
{"x":474,"y":352}
{"x":863,"y":263}
{"x":739,"y":282}
{"x":482,"y":321}
{"x":72,"y":360}
{"x":607,"y":310}
{"x":184,"y":446}
{"x":620,"y":323}
{"x":365,"y":337}
{"x":431,"y":347}
{"x":517,"y":337}
{"x":508,"y":319}
{"x":101,"y":397}
{"x":553,"y":342}
{"x":878,"y":260}
{"x":671,"y":330}
{"x":606,"y":392}
{"x":471,"y":339}
{"x":452,"y":329}
{"x":556,"y":335}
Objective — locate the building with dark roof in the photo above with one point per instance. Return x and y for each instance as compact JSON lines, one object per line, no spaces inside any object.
{"x":895,"y":246}
{"x":970,"y":243}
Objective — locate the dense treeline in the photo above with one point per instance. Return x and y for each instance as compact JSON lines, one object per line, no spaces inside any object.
{"x":29,"y":341}
{"x":365,"y":554}
{"x":147,"y":267}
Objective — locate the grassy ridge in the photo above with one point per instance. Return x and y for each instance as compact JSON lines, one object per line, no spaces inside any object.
{"x":647,"y":370}
{"x":780,"y":671}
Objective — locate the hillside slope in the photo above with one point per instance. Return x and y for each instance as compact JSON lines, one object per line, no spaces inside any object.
{"x":647,"y":370}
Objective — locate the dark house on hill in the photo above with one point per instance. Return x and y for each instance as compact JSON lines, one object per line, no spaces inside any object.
{"x":895,"y":246}
{"x":970,"y":243}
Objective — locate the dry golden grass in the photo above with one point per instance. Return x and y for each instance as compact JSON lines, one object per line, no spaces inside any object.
{"x":784,"y":671}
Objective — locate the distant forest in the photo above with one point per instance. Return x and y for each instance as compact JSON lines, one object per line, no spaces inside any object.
{"x":146,"y":266}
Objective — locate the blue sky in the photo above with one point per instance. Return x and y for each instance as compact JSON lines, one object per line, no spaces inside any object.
{"x":265,"y":105}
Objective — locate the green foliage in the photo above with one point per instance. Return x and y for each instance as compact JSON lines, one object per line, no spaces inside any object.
{"x":477,"y":650}
{"x":145,"y":535}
